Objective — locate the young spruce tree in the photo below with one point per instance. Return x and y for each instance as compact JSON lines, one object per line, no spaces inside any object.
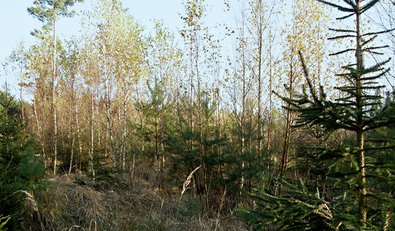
{"x":359,"y":110}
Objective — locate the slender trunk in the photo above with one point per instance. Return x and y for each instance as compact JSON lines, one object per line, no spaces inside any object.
{"x":22,"y":105}
{"x":157,"y":142}
{"x":243,"y":103}
{"x":72,"y":129}
{"x":287,"y":135}
{"x":77,"y":124}
{"x":362,"y":172}
{"x":53,"y":90}
{"x":191,"y":81}
{"x":119,"y":127}
{"x":269,"y":126}
{"x":260,"y":45}
{"x":124,"y":132}
{"x":109,"y":125}
{"x":99,"y":129}
{"x":72,"y":151}
{"x":92,"y":135}
{"x":360,"y":122}
{"x":39,"y":131}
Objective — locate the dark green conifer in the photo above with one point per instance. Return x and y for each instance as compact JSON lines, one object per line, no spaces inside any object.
{"x":20,"y":168}
{"x":356,"y":111}
{"x":361,"y":194}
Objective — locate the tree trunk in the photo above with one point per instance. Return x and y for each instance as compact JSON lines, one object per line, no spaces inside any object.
{"x":287,"y":135}
{"x":269,"y":125}
{"x":92,"y":133}
{"x":359,"y":119}
{"x":124,"y":132}
{"x":72,"y":150}
{"x":39,"y":131}
{"x":109,"y":125}
{"x":260,"y":46}
{"x":53,"y":90}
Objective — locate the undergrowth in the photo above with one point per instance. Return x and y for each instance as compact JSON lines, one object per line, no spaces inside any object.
{"x":76,"y":203}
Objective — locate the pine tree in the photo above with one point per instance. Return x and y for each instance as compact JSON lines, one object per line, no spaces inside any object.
{"x":356,"y":110}
{"x":20,"y":168}
{"x":360,"y":169}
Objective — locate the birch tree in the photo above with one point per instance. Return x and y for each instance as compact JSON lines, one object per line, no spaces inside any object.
{"x":48,"y":11}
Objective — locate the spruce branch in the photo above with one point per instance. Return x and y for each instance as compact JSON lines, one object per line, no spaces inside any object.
{"x":344,"y":17}
{"x":369,"y":40}
{"x":341,"y":52}
{"x":339,"y":7}
{"x":342,"y":37}
{"x":376,"y":67}
{"x":375,"y":48}
{"x":369,"y":5}
{"x":351,"y":3}
{"x":376,"y":76}
{"x":378,"y":32}
{"x":342,"y":30}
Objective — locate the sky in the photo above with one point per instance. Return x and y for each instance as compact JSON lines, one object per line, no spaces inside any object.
{"x":17,"y":24}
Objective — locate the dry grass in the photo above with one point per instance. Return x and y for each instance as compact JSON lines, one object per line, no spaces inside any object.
{"x":105,"y":206}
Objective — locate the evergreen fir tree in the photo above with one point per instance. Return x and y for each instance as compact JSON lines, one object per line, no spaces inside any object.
{"x":357,"y":110}
{"x":20,"y":168}
{"x":361,"y":196}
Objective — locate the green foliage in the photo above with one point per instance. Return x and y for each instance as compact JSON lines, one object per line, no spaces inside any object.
{"x":43,"y":10}
{"x":30,"y":166}
{"x":303,"y":209}
{"x":357,"y":176}
{"x":47,"y":11}
{"x":200,"y":145}
{"x":21,"y":169}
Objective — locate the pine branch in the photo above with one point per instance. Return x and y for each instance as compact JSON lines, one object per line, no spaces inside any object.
{"x":369,"y":5}
{"x":375,"y":67}
{"x":350,"y":65}
{"x":344,"y":17}
{"x":348,"y":99}
{"x":346,"y":76}
{"x":341,"y":37}
{"x":378,"y":32}
{"x":369,"y":40}
{"x":374,"y":52}
{"x":339,"y":7}
{"x":346,"y":104}
{"x":342,"y":30}
{"x":341,"y":52}
{"x":372,"y":97}
{"x":350,"y":90}
{"x":351,"y":3}
{"x":372,"y":87}
{"x":376,"y":76}
{"x":372,"y":124}
{"x":370,"y":83}
{"x":380,"y":148}
{"x":375,"y":48}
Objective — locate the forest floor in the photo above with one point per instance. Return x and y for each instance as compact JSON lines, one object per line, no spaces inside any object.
{"x":73,"y":202}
